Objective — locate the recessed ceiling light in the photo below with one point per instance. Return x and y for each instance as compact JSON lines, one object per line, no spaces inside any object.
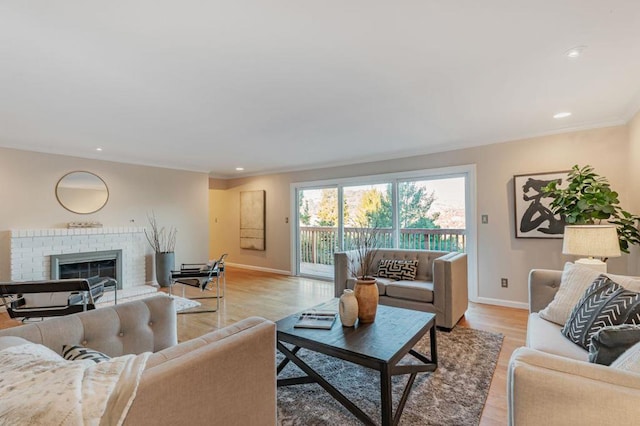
{"x":562,"y":115}
{"x":239,"y":169}
{"x":575,"y":52}
{"x":98,"y":149}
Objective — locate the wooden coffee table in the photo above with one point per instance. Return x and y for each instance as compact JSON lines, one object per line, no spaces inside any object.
{"x":379,"y":345}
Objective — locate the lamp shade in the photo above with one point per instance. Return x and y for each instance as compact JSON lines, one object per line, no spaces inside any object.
{"x":591,"y":241}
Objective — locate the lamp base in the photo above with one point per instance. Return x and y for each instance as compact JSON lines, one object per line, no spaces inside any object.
{"x":592,"y":263}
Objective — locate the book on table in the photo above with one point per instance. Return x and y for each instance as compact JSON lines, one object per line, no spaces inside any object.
{"x":316,"y":319}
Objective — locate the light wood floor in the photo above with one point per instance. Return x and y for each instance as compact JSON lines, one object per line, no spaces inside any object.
{"x":272,"y":296}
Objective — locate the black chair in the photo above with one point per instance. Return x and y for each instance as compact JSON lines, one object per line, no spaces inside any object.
{"x":200,"y":275}
{"x":31,"y":299}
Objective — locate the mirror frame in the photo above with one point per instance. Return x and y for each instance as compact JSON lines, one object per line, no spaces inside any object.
{"x":82,"y":171}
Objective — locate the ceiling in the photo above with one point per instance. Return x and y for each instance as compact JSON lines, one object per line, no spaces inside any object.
{"x":288,"y":84}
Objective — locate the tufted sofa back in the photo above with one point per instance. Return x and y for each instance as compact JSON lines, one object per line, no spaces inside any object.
{"x":147,"y":325}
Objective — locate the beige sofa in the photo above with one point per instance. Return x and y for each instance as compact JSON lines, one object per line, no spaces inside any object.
{"x":551,"y":382}
{"x":226,"y":377}
{"x":440,"y":285}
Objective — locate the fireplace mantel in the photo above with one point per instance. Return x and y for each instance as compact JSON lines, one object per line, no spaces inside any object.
{"x":58,"y":232}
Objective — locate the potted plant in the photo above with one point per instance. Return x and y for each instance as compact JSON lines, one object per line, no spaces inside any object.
{"x":163,"y":243}
{"x":588,"y":199}
{"x":364,"y":243}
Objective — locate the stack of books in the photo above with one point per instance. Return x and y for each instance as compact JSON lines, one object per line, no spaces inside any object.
{"x":316,"y":319}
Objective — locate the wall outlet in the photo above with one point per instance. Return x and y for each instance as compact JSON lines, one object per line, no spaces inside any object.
{"x":504,"y":282}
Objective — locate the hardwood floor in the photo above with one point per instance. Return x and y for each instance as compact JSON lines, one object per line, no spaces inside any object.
{"x":272,"y":296}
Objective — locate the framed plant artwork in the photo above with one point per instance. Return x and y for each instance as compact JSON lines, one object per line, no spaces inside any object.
{"x":533,"y":217}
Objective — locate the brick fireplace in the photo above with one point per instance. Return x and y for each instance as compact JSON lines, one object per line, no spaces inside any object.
{"x":33,"y":250}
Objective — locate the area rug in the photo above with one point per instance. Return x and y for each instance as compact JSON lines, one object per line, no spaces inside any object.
{"x":452,"y":395}
{"x":143,"y":292}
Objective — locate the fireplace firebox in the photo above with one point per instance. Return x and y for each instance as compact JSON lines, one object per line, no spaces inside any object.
{"x":88,"y":264}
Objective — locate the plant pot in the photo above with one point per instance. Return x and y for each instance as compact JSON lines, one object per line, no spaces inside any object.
{"x":164,"y":265}
{"x":366,"y":292}
{"x":348,"y":308}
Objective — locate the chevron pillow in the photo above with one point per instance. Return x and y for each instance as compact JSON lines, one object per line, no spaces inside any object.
{"x":603,"y":304}
{"x":398,"y":269}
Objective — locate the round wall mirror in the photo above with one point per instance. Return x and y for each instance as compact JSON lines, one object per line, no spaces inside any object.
{"x":82,"y":192}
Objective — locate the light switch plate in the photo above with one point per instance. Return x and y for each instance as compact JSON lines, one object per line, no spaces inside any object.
{"x":485,"y":218}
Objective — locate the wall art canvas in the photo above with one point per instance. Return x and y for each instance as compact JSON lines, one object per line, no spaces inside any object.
{"x":252,"y":220}
{"x":534,"y":218}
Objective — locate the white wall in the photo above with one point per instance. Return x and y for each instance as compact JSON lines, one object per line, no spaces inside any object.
{"x":500,"y":254}
{"x":178,"y":198}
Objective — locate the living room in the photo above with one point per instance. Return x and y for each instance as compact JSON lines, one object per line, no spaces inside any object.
{"x":194,"y":187}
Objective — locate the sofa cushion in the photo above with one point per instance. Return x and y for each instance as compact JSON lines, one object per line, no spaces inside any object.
{"x":604,"y":303}
{"x":575,"y":280}
{"x":420,"y":291}
{"x":629,"y":361}
{"x":398,"y":269}
{"x":611,"y":342}
{"x":545,"y":336}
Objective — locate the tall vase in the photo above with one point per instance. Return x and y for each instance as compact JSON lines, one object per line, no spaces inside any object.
{"x":164,"y":265}
{"x":348,"y":308}
{"x":366,"y":292}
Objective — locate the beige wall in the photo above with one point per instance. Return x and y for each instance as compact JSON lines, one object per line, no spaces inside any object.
{"x":634,"y":183}
{"x":500,"y":254}
{"x":179,"y":198}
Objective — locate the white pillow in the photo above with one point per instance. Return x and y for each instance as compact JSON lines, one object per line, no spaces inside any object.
{"x":629,"y":360}
{"x":574,"y":282}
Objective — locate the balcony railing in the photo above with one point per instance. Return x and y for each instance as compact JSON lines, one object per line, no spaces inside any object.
{"x":319,"y":243}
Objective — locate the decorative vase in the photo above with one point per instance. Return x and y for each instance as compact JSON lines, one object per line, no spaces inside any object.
{"x":348,"y":308}
{"x":366,"y":292}
{"x":164,"y":265}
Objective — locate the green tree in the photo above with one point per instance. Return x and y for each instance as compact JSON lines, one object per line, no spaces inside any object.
{"x":303,"y":209}
{"x":328,"y":209}
{"x":377,"y":208}
{"x":415,"y":203}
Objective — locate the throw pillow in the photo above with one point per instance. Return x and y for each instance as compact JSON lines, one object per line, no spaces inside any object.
{"x":611,"y":342}
{"x":604,"y":303}
{"x":77,"y":352}
{"x":398,"y":269}
{"x":575,"y":280}
{"x":629,"y":361}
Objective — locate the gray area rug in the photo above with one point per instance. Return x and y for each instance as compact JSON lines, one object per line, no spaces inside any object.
{"x":452,"y":395}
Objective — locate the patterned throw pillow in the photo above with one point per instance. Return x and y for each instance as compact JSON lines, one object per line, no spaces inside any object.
{"x":603,"y":304}
{"x":77,"y":352}
{"x":398,"y":269}
{"x":611,"y":342}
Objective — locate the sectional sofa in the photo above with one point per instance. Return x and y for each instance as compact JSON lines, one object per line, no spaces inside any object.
{"x":440,"y":284}
{"x":224,"y":377}
{"x":551,"y":382}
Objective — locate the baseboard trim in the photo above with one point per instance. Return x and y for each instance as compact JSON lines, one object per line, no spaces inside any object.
{"x":501,"y":302}
{"x":258,"y":268}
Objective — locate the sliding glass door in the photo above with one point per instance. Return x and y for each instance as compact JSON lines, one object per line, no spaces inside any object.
{"x":317,"y":230}
{"x":427,"y":212}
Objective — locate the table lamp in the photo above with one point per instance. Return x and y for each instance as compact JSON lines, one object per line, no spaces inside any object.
{"x":592,"y":241}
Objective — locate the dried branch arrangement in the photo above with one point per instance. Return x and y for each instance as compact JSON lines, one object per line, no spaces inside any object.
{"x":365,"y":242}
{"x":160,"y":239}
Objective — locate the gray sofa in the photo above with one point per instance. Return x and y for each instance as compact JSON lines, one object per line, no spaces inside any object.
{"x":440,"y":285}
{"x":225,"y":377}
{"x":550,"y":380}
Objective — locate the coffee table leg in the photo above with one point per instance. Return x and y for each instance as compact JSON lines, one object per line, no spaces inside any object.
{"x":434,"y":347}
{"x":386,"y":398}
{"x":312,"y":376}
